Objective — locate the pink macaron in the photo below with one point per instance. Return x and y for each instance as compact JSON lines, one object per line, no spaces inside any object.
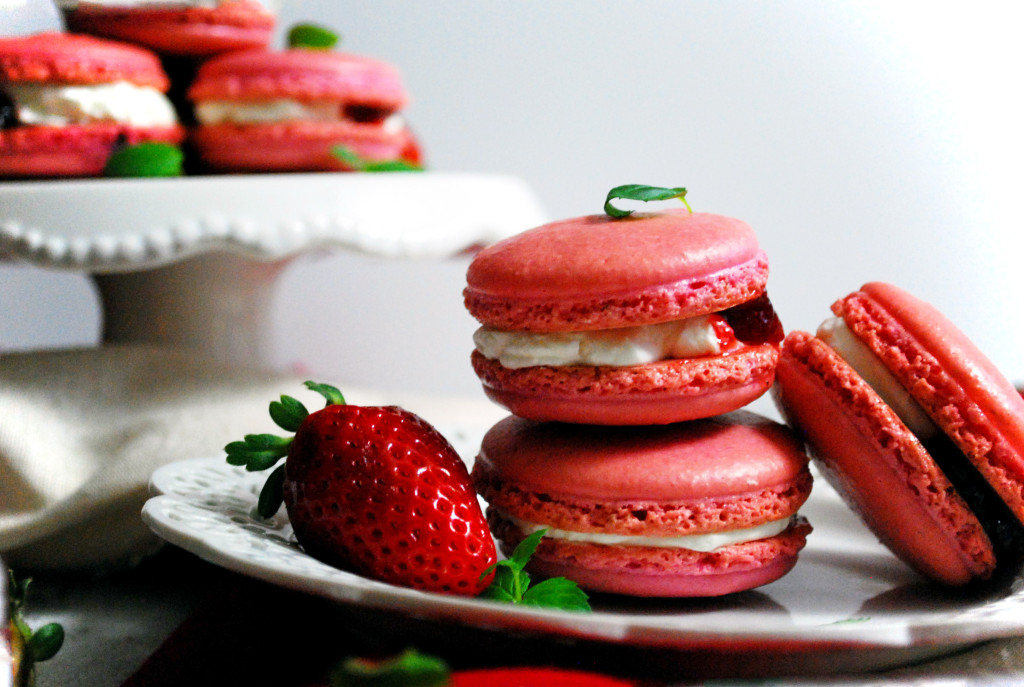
{"x":651,"y":319}
{"x":915,"y":427}
{"x":67,"y":101}
{"x":700,"y":508}
{"x":183,"y":29}
{"x":291,"y":110}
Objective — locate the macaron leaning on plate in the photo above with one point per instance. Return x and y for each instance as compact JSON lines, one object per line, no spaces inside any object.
{"x":915,"y":428}
{"x":185,"y":28}
{"x":699,"y":508}
{"x":649,"y":319}
{"x":68,"y":101}
{"x":291,"y":110}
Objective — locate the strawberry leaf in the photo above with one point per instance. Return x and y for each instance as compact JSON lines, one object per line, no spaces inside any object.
{"x":642,"y":193}
{"x":408,"y":669}
{"x":288,"y":413}
{"x":511,"y":583}
{"x":272,"y":494}
{"x":332,"y":394}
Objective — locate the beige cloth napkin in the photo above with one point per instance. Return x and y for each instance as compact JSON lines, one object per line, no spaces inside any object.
{"x":82,"y":430}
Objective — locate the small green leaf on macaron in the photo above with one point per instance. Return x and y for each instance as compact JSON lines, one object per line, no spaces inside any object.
{"x":312,"y":36}
{"x":511,"y":583}
{"x":150,"y":159}
{"x":643,"y":193}
{"x":351,"y":159}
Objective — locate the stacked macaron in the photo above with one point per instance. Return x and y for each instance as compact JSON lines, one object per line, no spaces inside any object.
{"x":67,"y":102}
{"x":915,"y":428}
{"x":625,"y":347}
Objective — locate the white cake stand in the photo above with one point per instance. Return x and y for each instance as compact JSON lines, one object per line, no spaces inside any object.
{"x":193,"y":261}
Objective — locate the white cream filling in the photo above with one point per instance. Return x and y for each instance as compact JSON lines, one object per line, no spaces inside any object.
{"x":692,"y":542}
{"x":278,"y":110}
{"x":123,"y":102}
{"x":865,"y":363}
{"x":619,"y":347}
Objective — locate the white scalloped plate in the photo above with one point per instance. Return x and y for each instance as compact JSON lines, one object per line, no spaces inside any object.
{"x":110,"y":225}
{"x":848,"y":606}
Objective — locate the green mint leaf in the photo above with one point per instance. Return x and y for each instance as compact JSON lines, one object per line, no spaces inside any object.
{"x":358,"y":164}
{"x":643,"y":193}
{"x":495,"y":593}
{"x":45,"y":642}
{"x":288,"y":413}
{"x":151,"y":159}
{"x":556,"y":592}
{"x":512,"y":584}
{"x":272,"y":494}
{"x":312,"y":36}
{"x":332,"y":394}
{"x":408,"y":669}
{"x":524,"y":551}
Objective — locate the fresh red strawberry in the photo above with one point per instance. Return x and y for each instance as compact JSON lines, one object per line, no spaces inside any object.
{"x":374,"y":490}
{"x":533,"y":677}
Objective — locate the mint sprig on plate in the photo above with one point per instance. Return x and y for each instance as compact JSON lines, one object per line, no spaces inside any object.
{"x":512,"y":583}
{"x":643,"y":193}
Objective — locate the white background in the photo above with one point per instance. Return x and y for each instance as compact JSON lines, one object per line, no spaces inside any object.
{"x":861,"y":140}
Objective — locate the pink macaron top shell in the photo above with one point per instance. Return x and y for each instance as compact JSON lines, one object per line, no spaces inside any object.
{"x":76,"y":59}
{"x":301,"y":74}
{"x":726,"y":455}
{"x":733,"y":471}
{"x":598,"y":272}
{"x":179,"y":30}
{"x":956,"y":384}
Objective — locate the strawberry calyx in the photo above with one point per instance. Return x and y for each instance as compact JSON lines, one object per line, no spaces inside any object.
{"x":257,"y":452}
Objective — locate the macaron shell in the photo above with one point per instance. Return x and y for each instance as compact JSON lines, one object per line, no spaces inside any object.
{"x":877,"y":465}
{"x":301,"y":74}
{"x":71,"y":151}
{"x":732,"y":472}
{"x":597,"y":272}
{"x":656,"y":393}
{"x":956,"y":384}
{"x":296,"y":146}
{"x":62,"y":58}
{"x":658,"y":572}
{"x":685,"y":479}
{"x":179,"y":31}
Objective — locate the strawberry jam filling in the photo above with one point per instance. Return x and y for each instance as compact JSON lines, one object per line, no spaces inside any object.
{"x":755,"y":322}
